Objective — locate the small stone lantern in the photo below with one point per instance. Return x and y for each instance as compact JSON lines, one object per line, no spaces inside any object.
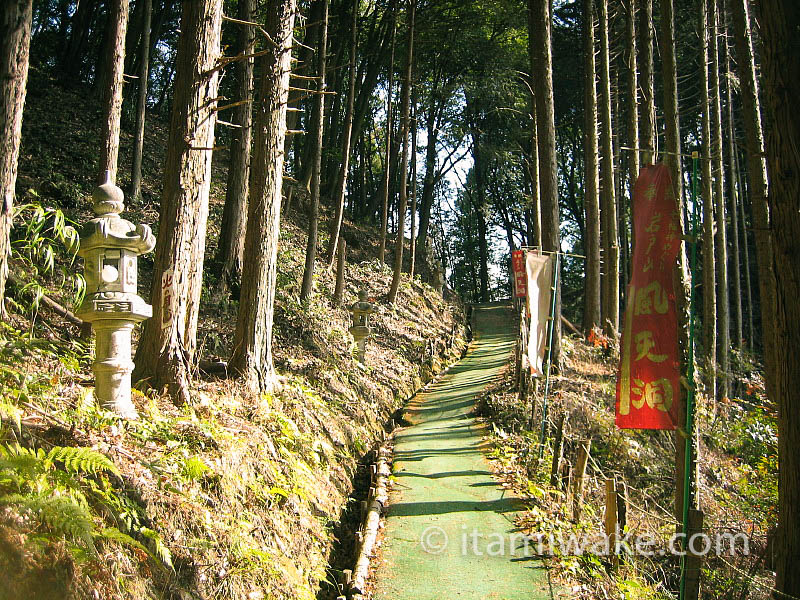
{"x":361,"y":330}
{"x":438,"y":277}
{"x":110,"y":246}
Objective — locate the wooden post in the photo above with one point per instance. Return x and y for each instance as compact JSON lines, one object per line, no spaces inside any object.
{"x":566,"y":481}
{"x":557,"y":447}
{"x":578,"y":477}
{"x":533,"y":403}
{"x":693,"y":560}
{"x":611,"y":519}
{"x":622,"y":504}
{"x":340,"y":262}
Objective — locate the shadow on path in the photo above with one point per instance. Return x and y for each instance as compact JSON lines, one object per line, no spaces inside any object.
{"x":445,"y":509}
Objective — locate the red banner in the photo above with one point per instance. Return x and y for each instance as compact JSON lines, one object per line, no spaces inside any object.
{"x":520,"y":278}
{"x":648,"y":380}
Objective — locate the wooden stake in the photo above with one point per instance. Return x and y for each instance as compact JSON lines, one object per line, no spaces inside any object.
{"x":611,"y":519}
{"x":557,"y":451}
{"x":580,"y":474}
{"x":693,"y":560}
{"x":622,"y":504}
{"x":533,"y":403}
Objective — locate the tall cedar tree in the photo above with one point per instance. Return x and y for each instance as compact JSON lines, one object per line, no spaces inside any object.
{"x":721,"y":247}
{"x":542,"y":69}
{"x":387,"y":151}
{"x":414,"y":128}
{"x":145,"y":7}
{"x":757,"y":179}
{"x":316,"y":165}
{"x":632,"y":91}
{"x":672,"y":140}
{"x":733,"y":194}
{"x":114,"y":65}
{"x":608,"y":207}
{"x":232,"y":232}
{"x":341,"y":188}
{"x":534,"y":212}
{"x":591,"y":202}
{"x":780,"y":22}
{"x":478,"y":199}
{"x":15,"y":40}
{"x":709,"y":273}
{"x":402,"y":204}
{"x":166,"y":353}
{"x":252,"y":343}
{"x":647,"y":114}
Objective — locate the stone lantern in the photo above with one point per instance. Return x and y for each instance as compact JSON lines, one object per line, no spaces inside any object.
{"x":360,"y":329}
{"x":438,"y":277}
{"x":110,"y":246}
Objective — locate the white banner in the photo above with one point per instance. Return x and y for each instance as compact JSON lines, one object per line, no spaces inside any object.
{"x":540,"y":282}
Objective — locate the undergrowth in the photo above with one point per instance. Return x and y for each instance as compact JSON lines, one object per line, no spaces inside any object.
{"x":737,"y":485}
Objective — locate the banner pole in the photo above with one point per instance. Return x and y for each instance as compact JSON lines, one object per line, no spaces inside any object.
{"x":549,"y":350}
{"x":690,"y":376}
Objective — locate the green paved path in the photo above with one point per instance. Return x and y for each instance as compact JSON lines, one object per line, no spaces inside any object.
{"x":444,"y":488}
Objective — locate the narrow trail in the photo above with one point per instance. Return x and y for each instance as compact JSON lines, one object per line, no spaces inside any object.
{"x":447,"y":516}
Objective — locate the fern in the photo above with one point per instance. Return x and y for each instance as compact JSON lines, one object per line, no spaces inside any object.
{"x":62,"y":515}
{"x":158,"y":542}
{"x":56,"y":498}
{"x":28,"y":464}
{"x":82,"y":460}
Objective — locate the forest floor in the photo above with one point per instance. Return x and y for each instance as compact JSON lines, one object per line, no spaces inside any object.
{"x":231,"y":496}
{"x":450,"y":530}
{"x":737,"y":479}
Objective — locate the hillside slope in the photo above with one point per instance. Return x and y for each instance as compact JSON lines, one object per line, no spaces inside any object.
{"x":229,"y":496}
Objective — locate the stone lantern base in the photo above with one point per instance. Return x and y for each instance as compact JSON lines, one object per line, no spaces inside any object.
{"x":113,"y":366}
{"x":360,"y":334}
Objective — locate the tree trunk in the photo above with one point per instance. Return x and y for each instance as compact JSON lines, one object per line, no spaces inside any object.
{"x":721,"y":248}
{"x":403,"y":203}
{"x":73,"y":59}
{"x":133,"y":35}
{"x":114,"y":65}
{"x":632,"y":92}
{"x":608,"y":212}
{"x":230,"y":247}
{"x":647,"y":129}
{"x":535,"y":203}
{"x":413,"y":243}
{"x":591,"y":199}
{"x":709,"y":272}
{"x":780,"y":21}
{"x":15,"y":40}
{"x":166,"y":353}
{"x":733,"y":195}
{"x":388,"y":149}
{"x":479,"y":171}
{"x":745,"y":254}
{"x":299,"y":98}
{"x":681,"y":271}
{"x":539,"y":27}
{"x":336,"y":223}
{"x":316,"y":168}
{"x":429,"y":181}
{"x":757,"y":178}
{"x":252,"y":344}
{"x":141,"y":101}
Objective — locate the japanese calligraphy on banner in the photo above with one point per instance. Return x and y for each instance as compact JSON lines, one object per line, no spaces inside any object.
{"x":648,"y":380}
{"x":518,"y":268}
{"x":539,"y":270}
